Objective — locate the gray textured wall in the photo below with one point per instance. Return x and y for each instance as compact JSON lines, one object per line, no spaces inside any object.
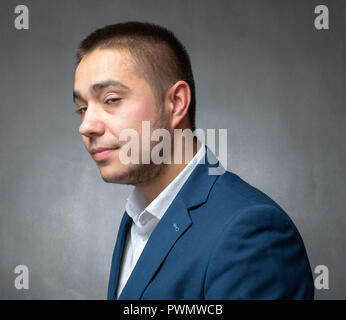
{"x":262,"y":71}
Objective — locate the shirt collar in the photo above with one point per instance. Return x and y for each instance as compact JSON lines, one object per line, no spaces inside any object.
{"x":139,"y":208}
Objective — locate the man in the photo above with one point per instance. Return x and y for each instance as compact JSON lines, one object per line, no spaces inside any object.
{"x":186,"y":233}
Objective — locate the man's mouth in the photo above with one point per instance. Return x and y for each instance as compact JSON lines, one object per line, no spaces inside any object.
{"x":100,"y":154}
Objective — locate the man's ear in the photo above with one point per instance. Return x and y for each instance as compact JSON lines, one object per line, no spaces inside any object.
{"x":178,"y":100}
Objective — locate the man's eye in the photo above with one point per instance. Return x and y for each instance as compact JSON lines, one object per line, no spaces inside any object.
{"x":112,"y":100}
{"x":80,"y":110}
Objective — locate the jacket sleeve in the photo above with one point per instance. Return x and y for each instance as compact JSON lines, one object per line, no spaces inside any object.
{"x":259,"y":255}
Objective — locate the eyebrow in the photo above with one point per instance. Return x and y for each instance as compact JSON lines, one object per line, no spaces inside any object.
{"x":108,"y":83}
{"x":99,"y":86}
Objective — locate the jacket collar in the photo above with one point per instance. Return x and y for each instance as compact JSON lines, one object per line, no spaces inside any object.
{"x":138,"y":205}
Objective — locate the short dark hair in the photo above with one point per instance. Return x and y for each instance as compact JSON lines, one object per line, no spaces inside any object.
{"x":162,"y":58}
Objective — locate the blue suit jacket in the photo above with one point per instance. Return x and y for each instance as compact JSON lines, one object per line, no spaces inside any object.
{"x":221,"y":238}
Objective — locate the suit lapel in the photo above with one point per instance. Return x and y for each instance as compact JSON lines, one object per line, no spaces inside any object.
{"x":171,"y":226}
{"x":117,"y":254}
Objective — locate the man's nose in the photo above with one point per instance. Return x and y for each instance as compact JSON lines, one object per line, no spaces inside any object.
{"x":92,"y":124}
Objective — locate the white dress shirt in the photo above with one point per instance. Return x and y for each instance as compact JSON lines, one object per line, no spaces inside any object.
{"x":147,"y":215}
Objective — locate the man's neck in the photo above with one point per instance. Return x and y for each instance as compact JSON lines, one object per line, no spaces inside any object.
{"x":153,"y":188}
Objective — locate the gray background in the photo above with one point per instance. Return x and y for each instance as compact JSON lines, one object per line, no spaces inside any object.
{"x":262,"y":71}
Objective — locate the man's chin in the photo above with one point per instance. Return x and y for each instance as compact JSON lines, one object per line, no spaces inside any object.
{"x":113,"y":177}
{"x":132,"y":174}
{"x":121,"y":175}
{"x":117,"y":180}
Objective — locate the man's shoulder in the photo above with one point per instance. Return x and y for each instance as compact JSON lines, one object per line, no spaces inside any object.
{"x":233,"y":188}
{"x":232,"y":196}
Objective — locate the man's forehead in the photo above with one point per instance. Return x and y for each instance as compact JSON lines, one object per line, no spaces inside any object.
{"x":103,"y":64}
{"x":107,"y":59}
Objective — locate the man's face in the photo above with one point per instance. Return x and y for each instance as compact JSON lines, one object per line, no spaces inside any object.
{"x":112,"y":97}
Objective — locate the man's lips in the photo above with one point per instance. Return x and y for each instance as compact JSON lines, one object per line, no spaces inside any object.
{"x":101,"y":153}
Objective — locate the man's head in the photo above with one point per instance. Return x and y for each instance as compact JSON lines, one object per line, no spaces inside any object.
{"x":128,"y":73}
